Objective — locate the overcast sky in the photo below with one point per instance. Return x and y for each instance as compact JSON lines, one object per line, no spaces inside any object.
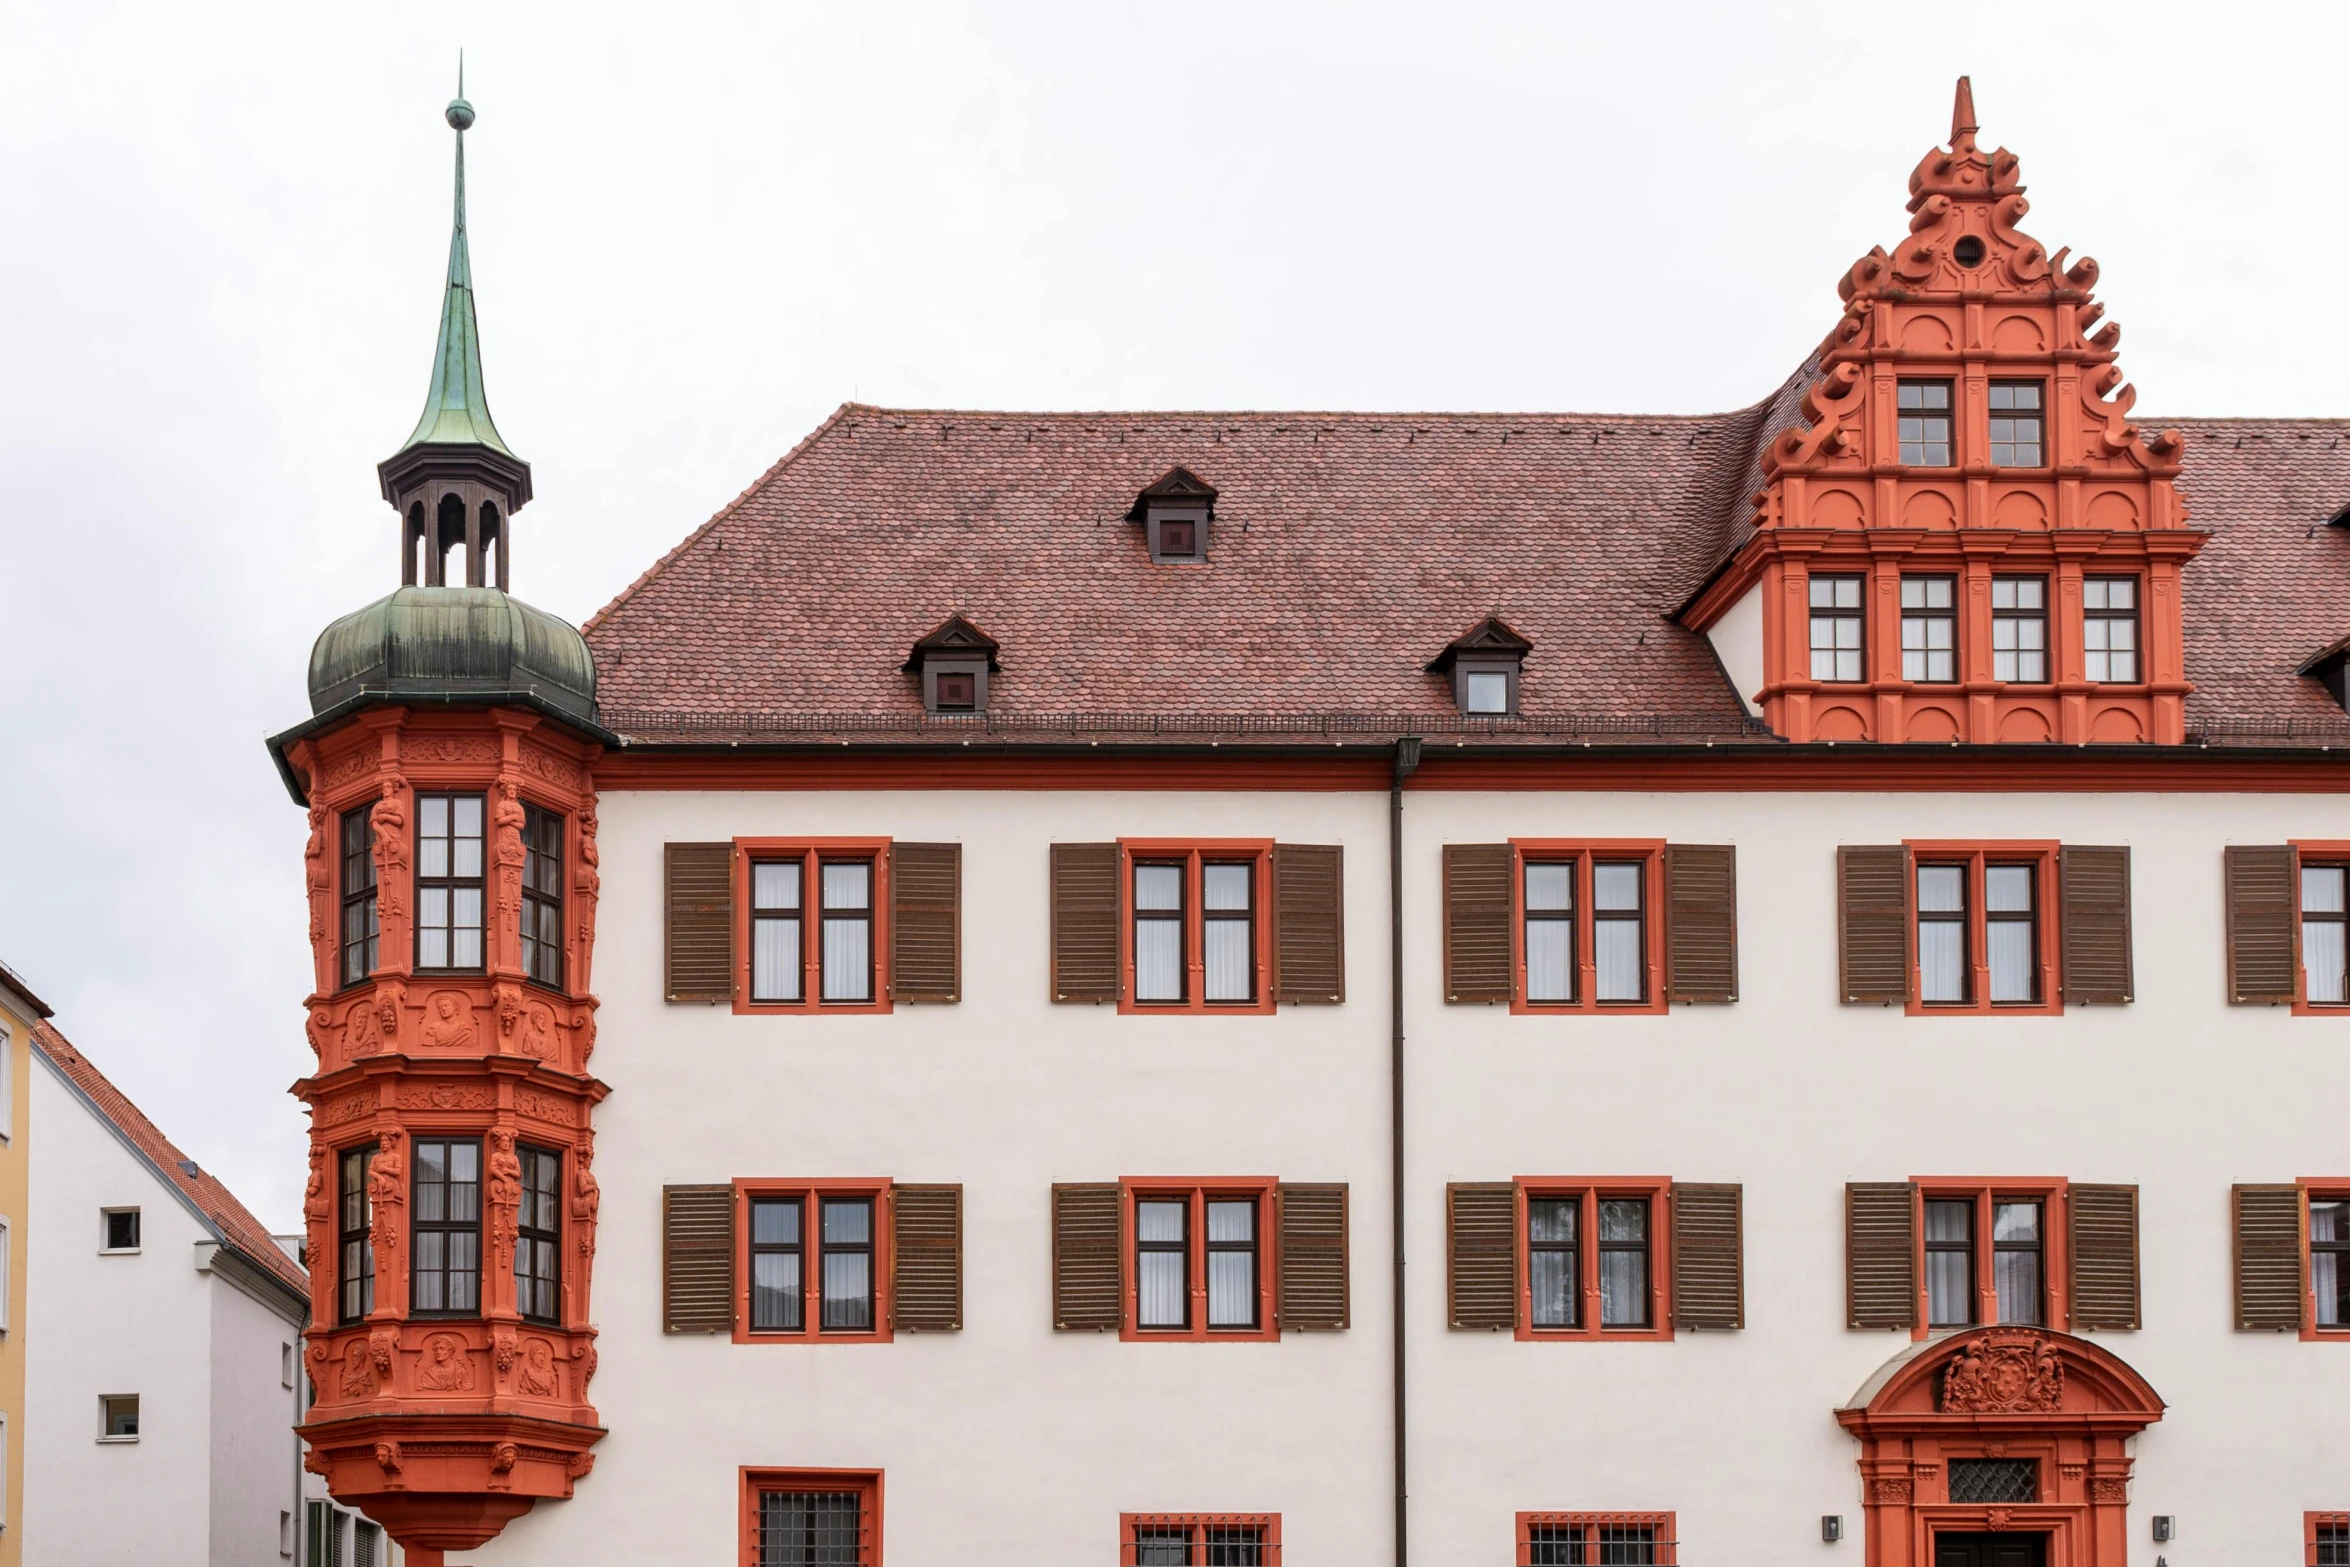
{"x":697,"y":229}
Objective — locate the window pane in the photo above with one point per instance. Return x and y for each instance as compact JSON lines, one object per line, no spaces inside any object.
{"x":1488,"y":691}
{"x":775,"y":1291}
{"x":1227,"y":886}
{"x":848,"y":1291}
{"x":1232,"y":1221}
{"x":1555,"y":1545}
{"x":848,"y":1223}
{"x":1941,"y":889}
{"x":775,"y":1223}
{"x":1622,"y":970}
{"x":1231,"y":960}
{"x":848,"y":886}
{"x":1158,"y":1221}
{"x":1942,"y":960}
{"x":2017,"y":1276}
{"x":775,"y":959}
{"x":1158,"y":886}
{"x":1162,"y":1547}
{"x":1950,"y":1221}
{"x":2015,"y":1222}
{"x":1623,"y":1289}
{"x":1232,"y":1289}
{"x":1549,"y":960}
{"x":775,"y":886}
{"x":1615,"y":886}
{"x":848,"y":964}
{"x":2323,"y":957}
{"x":2329,"y":1261}
{"x":2013,"y":965}
{"x":1949,"y":1289}
{"x":1552,"y":1219}
{"x":1160,"y":1289}
{"x":1550,"y":886}
{"x":2321,"y":889}
{"x":1552,"y":1276}
{"x":1158,"y":960}
{"x":1623,"y":1219}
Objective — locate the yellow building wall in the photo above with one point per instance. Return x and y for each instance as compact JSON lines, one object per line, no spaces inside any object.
{"x":16,"y":1024}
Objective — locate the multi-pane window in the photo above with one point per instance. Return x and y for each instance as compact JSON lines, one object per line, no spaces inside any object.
{"x":1595,"y":1540}
{"x":842,"y":1262}
{"x":1836,"y":624}
{"x":1977,"y":1481}
{"x":2109,"y":629}
{"x":1615,"y":935}
{"x":2017,"y":1239}
{"x":2015,"y":425}
{"x":2329,"y":1544}
{"x":1924,"y":432}
{"x":843,"y":917}
{"x":2325,"y":934}
{"x":538,"y":1245}
{"x":1166,"y":892}
{"x":1950,"y":1262}
{"x":2019,"y":629}
{"x":445,"y":1210}
{"x":1943,"y":970}
{"x":448,"y":881}
{"x":360,"y":927}
{"x":1929,"y":629}
{"x":2010,"y":932}
{"x":355,"y":1266}
{"x":1554,"y":1261}
{"x":1187,"y":1540}
{"x":542,"y":895}
{"x":814,"y":1527}
{"x":1197,"y":1245}
{"x":1599,"y":1236}
{"x":2329,"y":1259}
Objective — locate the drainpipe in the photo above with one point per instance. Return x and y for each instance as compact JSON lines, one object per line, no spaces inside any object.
{"x":1407,"y":757}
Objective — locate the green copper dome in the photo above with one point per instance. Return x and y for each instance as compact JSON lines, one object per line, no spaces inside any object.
{"x":454,"y":644}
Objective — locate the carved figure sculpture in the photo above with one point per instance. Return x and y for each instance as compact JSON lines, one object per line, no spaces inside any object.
{"x":538,"y":1032}
{"x":387,"y":1457}
{"x":387,"y":1196}
{"x":317,"y":1202}
{"x":389,"y":822}
{"x":538,"y":1377}
{"x":2002,"y":1373}
{"x":505,"y":1199}
{"x":362,"y":1036}
{"x":446,"y":1368}
{"x":318,"y":872}
{"x":358,"y":1370}
{"x":587,"y":1201}
{"x":507,"y":819}
{"x":448,"y":1023}
{"x":588,"y":880}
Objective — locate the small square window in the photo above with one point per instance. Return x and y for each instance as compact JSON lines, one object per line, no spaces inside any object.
{"x":1485,"y":691}
{"x":121,"y":1232}
{"x":957,"y":692}
{"x":119,"y":1414}
{"x":1178,"y":533}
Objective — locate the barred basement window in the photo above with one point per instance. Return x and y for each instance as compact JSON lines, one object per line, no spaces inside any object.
{"x":1924,"y":424}
{"x":1975,"y":1480}
{"x":538,"y":1244}
{"x":355,"y":1269}
{"x":1595,"y":1540}
{"x":812,"y":1518}
{"x":445,"y":1280}
{"x":448,"y":881}
{"x":360,"y":919}
{"x":1200,"y":1540}
{"x":542,"y":895}
{"x":2329,"y":1544}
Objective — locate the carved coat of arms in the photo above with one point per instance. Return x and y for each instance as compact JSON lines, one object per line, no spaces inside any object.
{"x":2004,"y":1373}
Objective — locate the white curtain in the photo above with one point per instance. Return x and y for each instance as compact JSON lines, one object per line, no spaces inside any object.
{"x":848,"y":960}
{"x":1162,"y":1280}
{"x":1232,"y":1275}
{"x":2329,"y":1221}
{"x":775,"y":959}
{"x":1158,"y":943}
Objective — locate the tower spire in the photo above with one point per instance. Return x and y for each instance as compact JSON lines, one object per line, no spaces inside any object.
{"x":1962,"y":114}
{"x":456,"y":408}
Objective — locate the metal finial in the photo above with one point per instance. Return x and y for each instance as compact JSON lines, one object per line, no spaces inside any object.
{"x":460,"y":113}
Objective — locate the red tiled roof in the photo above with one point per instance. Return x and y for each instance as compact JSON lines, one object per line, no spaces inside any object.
{"x":1348,"y":549}
{"x":230,"y":1219}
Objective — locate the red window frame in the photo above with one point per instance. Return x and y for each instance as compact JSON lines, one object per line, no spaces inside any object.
{"x":809,"y":852}
{"x":1198,"y":1524}
{"x":2310,"y":1524}
{"x":1591,"y":1524}
{"x":1657,"y":1190}
{"x":2050,"y":1192}
{"x":2318,"y":1188}
{"x":1974,"y":855}
{"x":1582,"y":853}
{"x":881,"y":1192}
{"x":2312,"y":851}
{"x":1193,"y":853}
{"x":757,"y":1482}
{"x":1198,"y":1190}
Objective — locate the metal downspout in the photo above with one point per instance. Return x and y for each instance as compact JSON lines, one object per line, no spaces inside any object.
{"x":1407,"y":757}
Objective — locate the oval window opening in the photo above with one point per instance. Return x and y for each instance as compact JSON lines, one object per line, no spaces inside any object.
{"x":1968,"y":252}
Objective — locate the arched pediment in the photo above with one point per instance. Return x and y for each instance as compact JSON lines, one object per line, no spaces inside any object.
{"x":2005,"y":1373}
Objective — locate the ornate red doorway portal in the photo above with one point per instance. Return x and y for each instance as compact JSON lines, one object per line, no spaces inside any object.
{"x":1999,"y":1447}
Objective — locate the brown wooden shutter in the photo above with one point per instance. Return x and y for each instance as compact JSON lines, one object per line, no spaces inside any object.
{"x":1477,"y":921}
{"x":1481,"y":1226}
{"x":1880,"y":1249}
{"x":2095,"y":891}
{"x":2268,"y":1256}
{"x":2103,"y":1248}
{"x":925,"y":922}
{"x":1872,"y":913}
{"x":1086,"y":1232}
{"x":1709,"y":1273}
{"x":926,"y":1273}
{"x":698,"y":888}
{"x":1701,"y":922}
{"x":2262,"y":966}
{"x":1309,"y":923}
{"x":1311,"y":1224}
{"x":1085,"y":922}
{"x":697,"y":1259}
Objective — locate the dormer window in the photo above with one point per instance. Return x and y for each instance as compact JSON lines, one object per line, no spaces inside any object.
{"x":954,"y":662}
{"x":1176,"y":513}
{"x":1484,"y":665}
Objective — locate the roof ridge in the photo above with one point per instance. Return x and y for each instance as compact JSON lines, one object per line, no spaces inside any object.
{"x":234,"y":1223}
{"x":1484,"y":415}
{"x":729,"y":509}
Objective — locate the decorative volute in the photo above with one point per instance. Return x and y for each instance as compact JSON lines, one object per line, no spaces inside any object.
{"x":1974,"y":321}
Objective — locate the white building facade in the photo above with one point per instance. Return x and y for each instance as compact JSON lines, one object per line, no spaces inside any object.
{"x":1203,"y":988}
